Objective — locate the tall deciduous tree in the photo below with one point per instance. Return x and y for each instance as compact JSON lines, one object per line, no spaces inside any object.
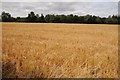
{"x":32,"y":17}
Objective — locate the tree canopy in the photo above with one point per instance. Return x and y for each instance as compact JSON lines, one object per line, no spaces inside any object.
{"x":51,"y":18}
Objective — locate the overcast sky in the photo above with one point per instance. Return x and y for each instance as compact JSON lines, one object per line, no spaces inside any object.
{"x":98,"y":7}
{"x":59,"y":0}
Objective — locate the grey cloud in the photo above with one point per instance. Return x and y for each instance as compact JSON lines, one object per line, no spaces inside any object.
{"x":59,"y":0}
{"x":63,"y":7}
{"x":79,"y":8}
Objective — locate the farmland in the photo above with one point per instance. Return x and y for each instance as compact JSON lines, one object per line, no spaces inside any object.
{"x":48,"y":50}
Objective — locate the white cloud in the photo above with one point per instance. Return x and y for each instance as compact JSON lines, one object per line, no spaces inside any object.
{"x":79,"y":8}
{"x":59,"y":0}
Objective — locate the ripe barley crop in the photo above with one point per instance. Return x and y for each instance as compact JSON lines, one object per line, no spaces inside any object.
{"x":48,"y":50}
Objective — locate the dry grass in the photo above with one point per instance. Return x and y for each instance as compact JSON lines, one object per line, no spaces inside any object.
{"x":60,"y":50}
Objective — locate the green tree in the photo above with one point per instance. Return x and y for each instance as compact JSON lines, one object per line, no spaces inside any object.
{"x":31,"y":17}
{"x":42,"y":19}
{"x":6,"y":17}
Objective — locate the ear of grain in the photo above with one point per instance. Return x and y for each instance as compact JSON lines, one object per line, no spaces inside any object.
{"x":59,"y":50}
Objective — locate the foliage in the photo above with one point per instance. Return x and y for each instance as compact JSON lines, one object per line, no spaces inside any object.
{"x":6,"y":17}
{"x":51,"y":18}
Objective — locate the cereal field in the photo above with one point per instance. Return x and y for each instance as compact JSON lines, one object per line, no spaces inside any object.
{"x":47,"y":50}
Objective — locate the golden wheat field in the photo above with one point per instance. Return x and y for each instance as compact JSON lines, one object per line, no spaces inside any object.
{"x":48,"y":50}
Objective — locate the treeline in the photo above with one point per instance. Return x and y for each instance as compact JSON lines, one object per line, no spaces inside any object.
{"x":32,"y":17}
